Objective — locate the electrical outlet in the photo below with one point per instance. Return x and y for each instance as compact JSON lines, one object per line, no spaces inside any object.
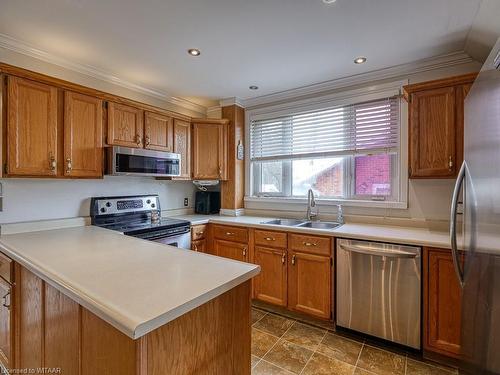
{"x":186,"y":202}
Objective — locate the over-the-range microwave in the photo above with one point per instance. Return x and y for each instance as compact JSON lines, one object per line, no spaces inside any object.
{"x":126,"y":161}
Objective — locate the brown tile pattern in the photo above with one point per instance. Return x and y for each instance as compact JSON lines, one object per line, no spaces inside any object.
{"x":283,"y":346}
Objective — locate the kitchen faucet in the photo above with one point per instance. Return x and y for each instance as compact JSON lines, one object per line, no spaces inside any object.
{"x":312,"y":210}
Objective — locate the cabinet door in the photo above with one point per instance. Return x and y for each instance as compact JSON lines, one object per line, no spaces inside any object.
{"x":442,"y":303}
{"x":309,"y":284}
{"x":5,"y":324}
{"x":125,"y":125}
{"x":82,"y":135}
{"x":199,"y":245}
{"x":270,"y":285}
{"x":158,"y":132}
{"x":209,"y":152}
{"x":231,"y":250}
{"x":31,"y":128}
{"x":433,"y":133}
{"x":182,"y":146}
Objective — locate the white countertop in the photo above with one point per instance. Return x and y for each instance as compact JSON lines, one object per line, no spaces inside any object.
{"x":133,"y":284}
{"x":385,"y":233}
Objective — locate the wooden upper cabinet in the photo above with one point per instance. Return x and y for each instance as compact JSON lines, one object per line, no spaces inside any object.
{"x":436,"y":126}
{"x":125,"y":125}
{"x":271,"y":284}
{"x":82,"y":135}
{"x":209,"y":149}
{"x":182,"y":146}
{"x":442,"y":303}
{"x":158,"y":132}
{"x":309,"y":284}
{"x":32,"y":128}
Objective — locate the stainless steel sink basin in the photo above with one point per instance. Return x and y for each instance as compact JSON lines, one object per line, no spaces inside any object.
{"x":319,"y":225}
{"x":304,"y":223}
{"x":286,"y":222}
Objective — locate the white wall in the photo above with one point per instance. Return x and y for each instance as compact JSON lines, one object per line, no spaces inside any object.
{"x":38,"y":199}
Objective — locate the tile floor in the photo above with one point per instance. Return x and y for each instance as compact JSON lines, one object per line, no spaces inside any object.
{"x":285,"y":346}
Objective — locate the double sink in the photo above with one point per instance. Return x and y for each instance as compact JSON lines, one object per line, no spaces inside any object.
{"x":304,"y":224}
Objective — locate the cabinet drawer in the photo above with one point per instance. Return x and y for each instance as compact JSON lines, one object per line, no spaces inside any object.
{"x":310,"y":244}
{"x":6,"y":266}
{"x":270,"y":238}
{"x":198,"y":232}
{"x":236,"y":234}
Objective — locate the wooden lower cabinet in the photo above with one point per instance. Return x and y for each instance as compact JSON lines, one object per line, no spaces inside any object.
{"x":199,"y":245}
{"x":271,"y":284}
{"x":231,"y":250}
{"x":309,"y":284}
{"x":6,"y":323}
{"x":53,"y":331}
{"x":442,"y":303}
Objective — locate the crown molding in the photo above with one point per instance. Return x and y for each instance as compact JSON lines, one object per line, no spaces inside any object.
{"x":419,"y":66}
{"x":231,"y":101}
{"x":12,"y":44}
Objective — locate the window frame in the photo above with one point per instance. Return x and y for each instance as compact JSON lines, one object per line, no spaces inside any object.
{"x":399,"y":196}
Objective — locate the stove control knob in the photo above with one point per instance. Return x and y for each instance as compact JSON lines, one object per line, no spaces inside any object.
{"x":153,"y":205}
{"x":148,"y":201}
{"x":108,"y":204}
{"x":103,"y":209}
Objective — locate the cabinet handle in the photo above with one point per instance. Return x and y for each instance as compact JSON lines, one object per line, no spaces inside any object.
{"x":309,"y":244}
{"x":69,"y":165}
{"x":5,"y":304}
{"x":220,"y":171}
{"x":195,"y":248}
{"x":293,"y":260}
{"x":283,"y":257}
{"x":200,"y":233}
{"x":270,"y":239}
{"x":53,"y":164}
{"x":229,"y":233}
{"x":450,"y":163}
{"x":244,"y":251}
{"x":148,"y":140}
{"x":138,"y":139}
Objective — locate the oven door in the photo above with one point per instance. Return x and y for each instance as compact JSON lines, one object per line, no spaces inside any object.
{"x":182,"y":241}
{"x":139,"y":162}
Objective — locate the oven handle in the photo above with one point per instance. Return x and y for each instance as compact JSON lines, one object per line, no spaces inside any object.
{"x":153,"y":237}
{"x":377,"y":252}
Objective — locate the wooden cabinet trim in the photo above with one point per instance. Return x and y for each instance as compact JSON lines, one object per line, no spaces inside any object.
{"x":271,"y":285}
{"x":438,"y":83}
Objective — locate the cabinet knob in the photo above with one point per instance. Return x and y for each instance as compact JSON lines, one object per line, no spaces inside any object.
{"x":69,"y":165}
{"x":53,"y":164}
{"x":293,"y":260}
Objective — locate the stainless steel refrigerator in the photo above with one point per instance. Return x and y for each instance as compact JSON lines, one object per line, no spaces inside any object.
{"x":478,"y":265}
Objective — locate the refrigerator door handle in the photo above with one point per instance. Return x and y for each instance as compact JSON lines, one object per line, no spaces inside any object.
{"x":453,"y":224}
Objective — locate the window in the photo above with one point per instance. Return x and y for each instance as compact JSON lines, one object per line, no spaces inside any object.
{"x":346,"y":152}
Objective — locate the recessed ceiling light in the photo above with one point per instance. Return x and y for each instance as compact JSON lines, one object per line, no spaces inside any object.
{"x":329,"y":1}
{"x":359,"y":60}
{"x":194,"y":52}
{"x":253,"y":87}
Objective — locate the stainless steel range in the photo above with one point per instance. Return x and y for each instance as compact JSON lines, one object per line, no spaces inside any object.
{"x":140,"y":216}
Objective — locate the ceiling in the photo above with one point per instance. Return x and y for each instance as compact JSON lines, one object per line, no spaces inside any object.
{"x":275,"y":44}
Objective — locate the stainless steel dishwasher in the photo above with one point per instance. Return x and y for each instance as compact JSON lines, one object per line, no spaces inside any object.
{"x":378,"y":290}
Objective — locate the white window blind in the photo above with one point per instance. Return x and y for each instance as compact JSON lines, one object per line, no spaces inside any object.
{"x":368,"y":127}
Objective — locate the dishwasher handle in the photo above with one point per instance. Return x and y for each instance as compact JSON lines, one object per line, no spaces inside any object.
{"x":369,"y":250}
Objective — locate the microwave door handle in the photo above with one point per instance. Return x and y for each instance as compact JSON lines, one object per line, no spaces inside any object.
{"x":378,"y":252}
{"x":453,"y":224}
